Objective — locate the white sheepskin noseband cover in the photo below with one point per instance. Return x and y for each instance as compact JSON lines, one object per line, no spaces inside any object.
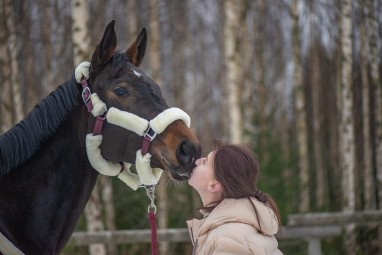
{"x":145,"y":174}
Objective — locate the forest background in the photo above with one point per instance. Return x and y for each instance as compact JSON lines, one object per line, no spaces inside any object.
{"x":298,"y":81}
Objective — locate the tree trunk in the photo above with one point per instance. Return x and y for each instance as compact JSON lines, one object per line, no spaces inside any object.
{"x":94,"y":222}
{"x":106,"y":184}
{"x":368,"y":177}
{"x":346,"y":123}
{"x":376,"y":83}
{"x":335,"y":175}
{"x":260,"y":73}
{"x":155,"y":41}
{"x":347,"y":147}
{"x":300,"y":108}
{"x":321,"y":186}
{"x":81,"y":46}
{"x":154,"y":45}
{"x":132,"y":21}
{"x":377,"y":89}
{"x":6,"y":113}
{"x":247,"y":89}
{"x":47,"y":57}
{"x":233,"y":67}
{"x":80,"y":32}
{"x":13,"y":50}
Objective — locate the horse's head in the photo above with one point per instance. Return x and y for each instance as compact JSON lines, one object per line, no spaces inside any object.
{"x":115,"y":77}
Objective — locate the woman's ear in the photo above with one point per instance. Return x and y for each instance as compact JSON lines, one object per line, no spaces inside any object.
{"x":214,"y":186}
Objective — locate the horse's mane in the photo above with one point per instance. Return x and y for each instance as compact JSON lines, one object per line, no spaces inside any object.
{"x":23,"y":140}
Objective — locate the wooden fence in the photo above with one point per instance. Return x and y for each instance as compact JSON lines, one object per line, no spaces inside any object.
{"x":181,"y":235}
{"x":312,"y":227}
{"x":312,"y":235}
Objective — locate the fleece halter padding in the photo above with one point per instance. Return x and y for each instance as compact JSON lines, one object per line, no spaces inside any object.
{"x":127,"y":121}
{"x":132,"y":122}
{"x":146,"y":175}
{"x":98,"y":162}
{"x":99,"y":107}
{"x":139,"y":125}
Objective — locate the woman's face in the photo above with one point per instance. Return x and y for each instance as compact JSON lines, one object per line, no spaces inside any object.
{"x":203,"y":174}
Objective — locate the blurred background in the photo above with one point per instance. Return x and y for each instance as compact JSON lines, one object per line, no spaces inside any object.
{"x":298,"y":81}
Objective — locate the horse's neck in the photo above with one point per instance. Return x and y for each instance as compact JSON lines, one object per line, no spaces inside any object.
{"x":43,"y":199}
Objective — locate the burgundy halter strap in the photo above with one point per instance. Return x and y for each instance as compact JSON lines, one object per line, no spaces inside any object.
{"x":86,"y":93}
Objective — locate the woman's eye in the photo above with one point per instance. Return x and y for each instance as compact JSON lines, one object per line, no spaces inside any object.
{"x":121,"y":92}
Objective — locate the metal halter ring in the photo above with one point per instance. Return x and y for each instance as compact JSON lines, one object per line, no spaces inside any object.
{"x":150,"y":193}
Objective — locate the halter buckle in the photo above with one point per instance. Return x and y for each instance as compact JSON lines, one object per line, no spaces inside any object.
{"x":150,"y":133}
{"x":86,"y":94}
{"x":147,"y":139}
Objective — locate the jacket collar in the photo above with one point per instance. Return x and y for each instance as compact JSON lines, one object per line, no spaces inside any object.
{"x":236,"y":210}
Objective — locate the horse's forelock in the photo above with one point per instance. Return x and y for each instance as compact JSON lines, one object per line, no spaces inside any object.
{"x":119,"y":58}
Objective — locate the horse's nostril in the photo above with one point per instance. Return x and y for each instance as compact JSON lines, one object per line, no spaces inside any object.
{"x":186,"y":153}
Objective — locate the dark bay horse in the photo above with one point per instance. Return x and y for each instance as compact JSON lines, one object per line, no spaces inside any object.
{"x":45,"y":176}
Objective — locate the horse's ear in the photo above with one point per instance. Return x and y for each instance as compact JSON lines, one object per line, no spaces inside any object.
{"x":137,"y":49}
{"x":106,"y":48}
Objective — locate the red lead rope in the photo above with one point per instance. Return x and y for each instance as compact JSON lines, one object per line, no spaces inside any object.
{"x":151,"y":210}
{"x":154,"y":240}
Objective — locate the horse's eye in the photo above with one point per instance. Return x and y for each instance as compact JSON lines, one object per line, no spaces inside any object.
{"x":122,"y":92}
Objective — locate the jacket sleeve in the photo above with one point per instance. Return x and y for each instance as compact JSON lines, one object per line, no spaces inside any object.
{"x":226,"y":246}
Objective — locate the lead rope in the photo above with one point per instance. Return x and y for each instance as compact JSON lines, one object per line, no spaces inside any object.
{"x":151,"y":210}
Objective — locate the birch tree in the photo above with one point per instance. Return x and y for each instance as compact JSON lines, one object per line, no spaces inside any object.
{"x":377,"y":88}
{"x":6,"y":112}
{"x":81,"y":46}
{"x":317,"y":127}
{"x":80,"y":31}
{"x":368,"y":178}
{"x":48,"y":54}
{"x":260,"y":70}
{"x":233,"y":73}
{"x":13,"y":52}
{"x":247,"y":90}
{"x":154,"y":46}
{"x":347,"y":149}
{"x":132,"y":21}
{"x":300,"y":108}
{"x":346,"y":122}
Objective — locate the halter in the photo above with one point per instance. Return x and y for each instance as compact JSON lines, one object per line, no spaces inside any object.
{"x":142,"y":127}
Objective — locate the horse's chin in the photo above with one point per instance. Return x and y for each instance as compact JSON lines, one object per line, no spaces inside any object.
{"x":179,"y":177}
{"x":176,"y":173}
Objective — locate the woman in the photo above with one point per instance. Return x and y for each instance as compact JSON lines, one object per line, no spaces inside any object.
{"x":238,"y":218}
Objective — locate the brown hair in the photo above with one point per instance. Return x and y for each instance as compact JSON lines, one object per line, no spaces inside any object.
{"x":237,"y":169}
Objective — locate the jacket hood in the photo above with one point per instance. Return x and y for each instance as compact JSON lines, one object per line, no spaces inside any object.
{"x":238,"y":210}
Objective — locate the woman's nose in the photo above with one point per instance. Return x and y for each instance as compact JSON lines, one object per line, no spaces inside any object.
{"x":197,"y":162}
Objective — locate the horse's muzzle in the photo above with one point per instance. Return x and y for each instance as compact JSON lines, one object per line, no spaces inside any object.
{"x":187,"y":153}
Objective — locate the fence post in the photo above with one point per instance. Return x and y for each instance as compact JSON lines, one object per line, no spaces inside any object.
{"x":314,"y":246}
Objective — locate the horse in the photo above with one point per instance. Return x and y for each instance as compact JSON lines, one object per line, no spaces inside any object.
{"x":46,"y":178}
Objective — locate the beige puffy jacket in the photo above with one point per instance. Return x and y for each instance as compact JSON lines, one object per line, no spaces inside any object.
{"x":232,"y":228}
